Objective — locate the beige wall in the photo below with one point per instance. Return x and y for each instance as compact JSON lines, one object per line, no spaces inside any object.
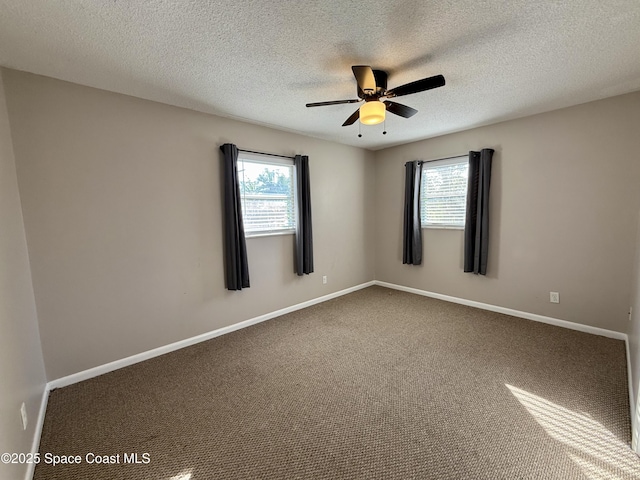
{"x":634,"y":346}
{"x":122,"y":210}
{"x":22,"y":376}
{"x":564,"y":202}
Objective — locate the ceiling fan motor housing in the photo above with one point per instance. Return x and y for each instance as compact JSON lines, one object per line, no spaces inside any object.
{"x":381,"y":86}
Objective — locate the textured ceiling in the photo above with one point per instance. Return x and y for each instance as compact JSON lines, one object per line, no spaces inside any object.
{"x":262,"y":60}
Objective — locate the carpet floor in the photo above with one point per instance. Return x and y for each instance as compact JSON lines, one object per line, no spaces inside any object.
{"x":377,"y":384}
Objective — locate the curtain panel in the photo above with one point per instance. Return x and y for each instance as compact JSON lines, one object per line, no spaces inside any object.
{"x":235,"y":249}
{"x":412,"y":233}
{"x":476,"y":229}
{"x":304,"y":234}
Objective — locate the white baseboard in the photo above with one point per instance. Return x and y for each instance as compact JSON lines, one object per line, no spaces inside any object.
{"x":35,"y":445}
{"x":632,"y":404}
{"x":508,"y":311}
{"x":140,"y":357}
{"x":125,"y":362}
{"x":543,"y":319}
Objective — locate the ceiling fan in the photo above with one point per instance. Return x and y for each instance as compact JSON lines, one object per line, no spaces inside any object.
{"x":372,"y":89}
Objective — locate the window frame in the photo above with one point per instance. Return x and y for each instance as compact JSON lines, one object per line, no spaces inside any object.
{"x":426,"y":165}
{"x":268,"y":160}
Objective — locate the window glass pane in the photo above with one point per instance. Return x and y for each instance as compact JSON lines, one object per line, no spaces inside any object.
{"x":443,"y":193}
{"x":266,"y":192}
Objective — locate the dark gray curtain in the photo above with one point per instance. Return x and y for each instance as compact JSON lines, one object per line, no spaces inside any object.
{"x":304,"y":236}
{"x":412,"y":247}
{"x":476,"y":228}
{"x":235,"y":249}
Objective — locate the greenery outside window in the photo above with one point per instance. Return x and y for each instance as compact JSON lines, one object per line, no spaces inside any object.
{"x":267,"y":194}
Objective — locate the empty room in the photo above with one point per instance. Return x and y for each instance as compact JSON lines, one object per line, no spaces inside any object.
{"x":319,"y":240}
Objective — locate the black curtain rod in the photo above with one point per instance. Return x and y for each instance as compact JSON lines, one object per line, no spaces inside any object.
{"x":268,"y":154}
{"x":445,"y":158}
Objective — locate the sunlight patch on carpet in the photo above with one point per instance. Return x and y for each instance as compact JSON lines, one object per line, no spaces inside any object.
{"x":184,"y":475}
{"x":591,"y":446}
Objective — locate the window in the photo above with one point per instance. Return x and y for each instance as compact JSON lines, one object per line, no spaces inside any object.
{"x":267,"y":194}
{"x":443,"y":193}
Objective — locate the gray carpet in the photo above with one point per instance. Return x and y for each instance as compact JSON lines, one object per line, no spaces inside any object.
{"x":378,"y":384}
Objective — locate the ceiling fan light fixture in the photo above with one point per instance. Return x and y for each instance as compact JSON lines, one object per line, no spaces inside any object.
{"x":372,"y":86}
{"x":373,"y":112}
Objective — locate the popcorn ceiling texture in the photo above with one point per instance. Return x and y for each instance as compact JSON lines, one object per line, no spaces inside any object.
{"x":262,"y":60}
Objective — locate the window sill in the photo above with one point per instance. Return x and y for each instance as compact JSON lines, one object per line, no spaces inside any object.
{"x":442,"y":227}
{"x":270,"y":234}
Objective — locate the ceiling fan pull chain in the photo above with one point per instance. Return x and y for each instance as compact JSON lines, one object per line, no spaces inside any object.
{"x":359,"y":132}
{"x":384,"y":127}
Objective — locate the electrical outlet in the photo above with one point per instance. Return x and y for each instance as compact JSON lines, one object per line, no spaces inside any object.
{"x":23,"y":414}
{"x":554,"y":297}
{"x":324,"y":279}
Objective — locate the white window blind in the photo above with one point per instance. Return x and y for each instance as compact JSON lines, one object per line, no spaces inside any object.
{"x":267,"y":194}
{"x":443,"y":193}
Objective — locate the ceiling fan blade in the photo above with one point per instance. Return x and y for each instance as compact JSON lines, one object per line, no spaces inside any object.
{"x":334,"y":102}
{"x":365,"y":78}
{"x":399,"y":109}
{"x":352,"y":119}
{"x":417,"y":86}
